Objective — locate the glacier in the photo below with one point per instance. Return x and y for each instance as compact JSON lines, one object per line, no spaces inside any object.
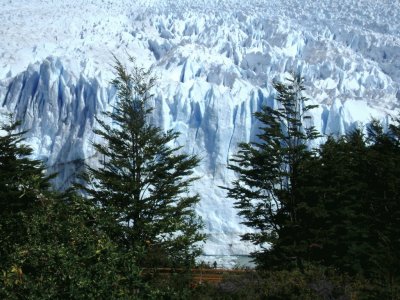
{"x":215,"y":62}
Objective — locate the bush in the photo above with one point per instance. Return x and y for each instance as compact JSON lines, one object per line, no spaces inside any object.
{"x":315,"y":283}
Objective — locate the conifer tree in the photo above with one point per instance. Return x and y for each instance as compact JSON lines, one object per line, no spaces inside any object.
{"x":266,"y":192}
{"x":22,"y":184}
{"x":50,"y":246}
{"x":20,"y":176}
{"x":342,"y":231}
{"x":143,"y":182}
{"x":383,"y":181}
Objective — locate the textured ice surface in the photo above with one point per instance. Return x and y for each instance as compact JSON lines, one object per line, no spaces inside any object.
{"x":216,"y":61}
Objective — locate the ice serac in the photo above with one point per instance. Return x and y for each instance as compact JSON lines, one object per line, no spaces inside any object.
{"x":216,"y":62}
{"x":57,"y":108}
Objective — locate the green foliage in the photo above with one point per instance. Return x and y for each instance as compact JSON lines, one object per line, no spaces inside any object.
{"x":331,"y":216}
{"x":357,"y":192}
{"x":22,"y":188}
{"x":143,"y":182}
{"x":337,"y":206}
{"x":383,"y":180}
{"x":339,"y":227}
{"x":51,"y":247}
{"x":21,"y":177}
{"x":315,"y":282}
{"x":61,"y":246}
{"x":266,"y":191}
{"x":64,"y":256}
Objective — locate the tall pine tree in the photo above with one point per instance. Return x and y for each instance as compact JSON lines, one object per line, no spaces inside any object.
{"x":22,"y":184}
{"x":383,"y":180}
{"x":342,"y":231}
{"x":20,"y":176}
{"x":143,"y":182}
{"x":266,"y":192}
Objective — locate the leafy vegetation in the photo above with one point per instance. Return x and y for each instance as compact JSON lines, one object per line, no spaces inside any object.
{"x":268,"y":191}
{"x":137,"y":211}
{"x":143,"y":183}
{"x":327,"y":220}
{"x":50,"y":244}
{"x":335,"y":207}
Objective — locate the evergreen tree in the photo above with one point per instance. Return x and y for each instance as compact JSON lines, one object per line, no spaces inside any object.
{"x":143,"y":182}
{"x":266,"y":192}
{"x":20,"y":176}
{"x":383,"y":181}
{"x":22,"y":185}
{"x":50,"y":244}
{"x":343,"y":192}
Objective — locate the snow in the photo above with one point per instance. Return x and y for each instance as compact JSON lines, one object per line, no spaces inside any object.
{"x":216,"y":62}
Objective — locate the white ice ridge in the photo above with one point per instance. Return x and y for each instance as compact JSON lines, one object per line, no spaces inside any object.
{"x":215,"y":60}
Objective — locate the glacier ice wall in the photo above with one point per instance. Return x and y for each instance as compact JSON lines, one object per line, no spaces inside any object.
{"x":216,"y":62}
{"x":58,"y":109}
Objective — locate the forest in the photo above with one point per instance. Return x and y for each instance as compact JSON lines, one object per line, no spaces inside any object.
{"x":323,"y":210}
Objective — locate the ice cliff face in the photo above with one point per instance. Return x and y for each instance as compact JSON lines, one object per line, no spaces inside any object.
{"x":216,"y":61}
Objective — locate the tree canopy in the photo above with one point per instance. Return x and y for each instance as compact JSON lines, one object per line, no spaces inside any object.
{"x":335,"y":206}
{"x":266,"y":192}
{"x":143,"y":180}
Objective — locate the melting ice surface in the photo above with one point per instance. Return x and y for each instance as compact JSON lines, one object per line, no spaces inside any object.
{"x":216,"y":61}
